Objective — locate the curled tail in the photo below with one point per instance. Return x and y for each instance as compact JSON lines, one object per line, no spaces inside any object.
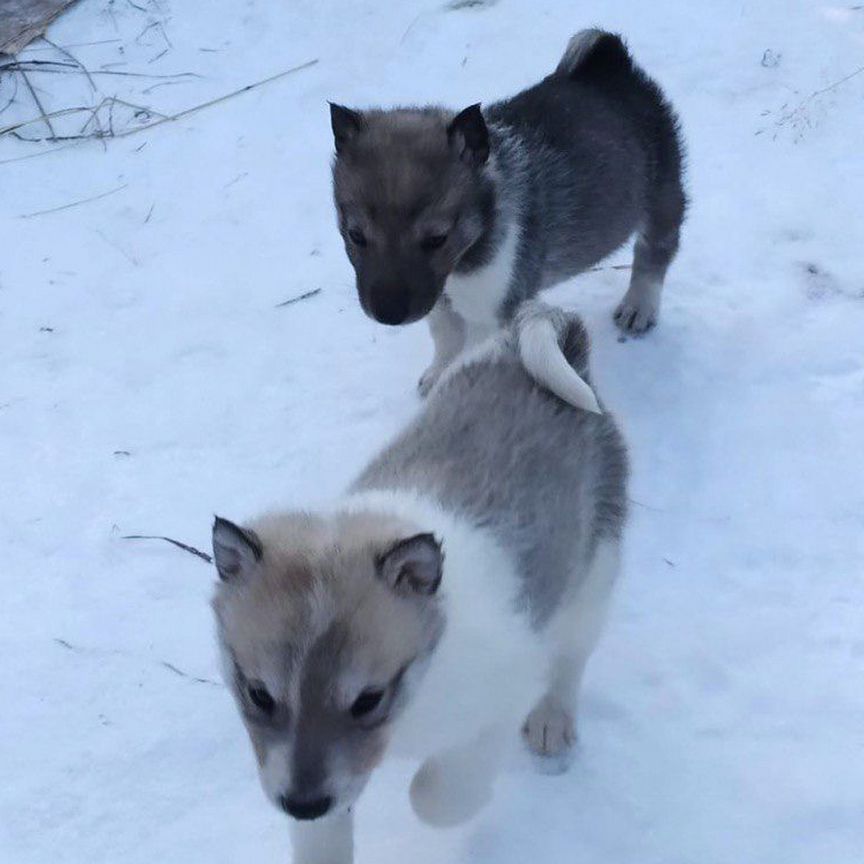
{"x":553,"y":347}
{"x":594,"y":54}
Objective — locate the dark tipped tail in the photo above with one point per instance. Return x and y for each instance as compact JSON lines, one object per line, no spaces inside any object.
{"x":594,"y":54}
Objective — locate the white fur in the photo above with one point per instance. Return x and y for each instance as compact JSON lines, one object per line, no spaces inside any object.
{"x":325,"y":841}
{"x":452,"y":786}
{"x":547,"y":365}
{"x":488,"y":348}
{"x":477,"y":296}
{"x":640,"y":305}
{"x":486,"y":641}
{"x":460,"y":715}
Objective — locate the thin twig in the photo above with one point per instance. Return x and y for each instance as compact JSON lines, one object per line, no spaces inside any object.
{"x":74,"y":203}
{"x":15,"y":65}
{"x":219,"y":99}
{"x":163,"y":118}
{"x":34,"y":50}
{"x":35,"y":155}
{"x":179,"y":672}
{"x":836,"y":84}
{"x":297,"y":299}
{"x":646,"y":506}
{"x":184,"y":546}
{"x":61,"y":113}
{"x":164,"y":664}
{"x":74,"y":59}
{"x":38,"y":101}
{"x":610,"y":267}
{"x":11,"y":99}
{"x":130,"y":258}
{"x":57,"y":68}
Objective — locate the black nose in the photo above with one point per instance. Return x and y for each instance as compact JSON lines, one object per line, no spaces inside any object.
{"x":305,"y":809}
{"x":389,"y":306}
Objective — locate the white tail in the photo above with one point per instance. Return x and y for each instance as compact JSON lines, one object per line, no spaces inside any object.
{"x":546,"y":364}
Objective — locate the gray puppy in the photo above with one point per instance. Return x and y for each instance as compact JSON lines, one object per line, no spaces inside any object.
{"x":452,"y":596}
{"x":465,"y":215}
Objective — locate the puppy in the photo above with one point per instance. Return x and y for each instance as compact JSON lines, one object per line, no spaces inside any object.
{"x":462,"y":216}
{"x":452,"y":597}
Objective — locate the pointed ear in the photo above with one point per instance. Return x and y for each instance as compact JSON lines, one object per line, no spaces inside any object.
{"x":469,"y":136}
{"x":236,"y":550}
{"x":346,"y":125}
{"x":413,"y":565}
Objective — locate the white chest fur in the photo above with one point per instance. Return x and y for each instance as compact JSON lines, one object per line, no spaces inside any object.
{"x":477,"y":296}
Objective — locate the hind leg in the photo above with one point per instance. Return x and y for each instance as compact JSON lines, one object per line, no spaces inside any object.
{"x":550,"y":729}
{"x":655,"y":248}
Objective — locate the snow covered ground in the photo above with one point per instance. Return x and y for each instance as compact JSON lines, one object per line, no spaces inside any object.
{"x":148,"y":380}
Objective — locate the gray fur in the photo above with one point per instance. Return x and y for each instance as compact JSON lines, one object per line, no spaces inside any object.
{"x":577,"y":164}
{"x":330,"y":623}
{"x":549,"y":481}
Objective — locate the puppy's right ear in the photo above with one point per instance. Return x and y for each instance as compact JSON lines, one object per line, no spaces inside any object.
{"x":236,"y":550}
{"x":413,"y":565}
{"x":346,"y":125}
{"x":469,"y":136}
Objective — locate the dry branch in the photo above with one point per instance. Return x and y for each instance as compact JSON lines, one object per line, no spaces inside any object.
{"x":73,"y":203}
{"x":162,"y":118}
{"x":184,"y":546}
{"x":292,"y":300}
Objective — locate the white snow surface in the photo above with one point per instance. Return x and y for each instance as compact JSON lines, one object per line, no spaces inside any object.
{"x":723,"y":714}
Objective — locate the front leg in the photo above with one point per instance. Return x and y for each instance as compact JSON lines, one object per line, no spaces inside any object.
{"x":448,"y":332}
{"x":329,"y":840}
{"x":454,"y":785}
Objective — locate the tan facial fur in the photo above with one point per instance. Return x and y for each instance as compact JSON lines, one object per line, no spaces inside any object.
{"x":314,"y":614}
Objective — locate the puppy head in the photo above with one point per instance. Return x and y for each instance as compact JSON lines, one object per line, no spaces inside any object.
{"x":413,"y":195}
{"x":326,"y":626}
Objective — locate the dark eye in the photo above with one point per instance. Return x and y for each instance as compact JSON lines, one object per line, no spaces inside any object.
{"x":433,"y":241}
{"x":358,"y":238}
{"x":366,"y":703}
{"x":260,"y":698}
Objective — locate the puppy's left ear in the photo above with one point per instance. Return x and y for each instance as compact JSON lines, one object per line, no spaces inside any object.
{"x":236,"y":550}
{"x":469,"y":136}
{"x":413,"y":565}
{"x":346,"y":125}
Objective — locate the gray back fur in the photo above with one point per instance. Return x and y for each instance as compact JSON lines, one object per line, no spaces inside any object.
{"x":491,"y":445}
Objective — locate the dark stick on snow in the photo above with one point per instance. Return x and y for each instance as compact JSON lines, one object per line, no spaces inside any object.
{"x":74,"y":203}
{"x":172,"y":668}
{"x":38,"y":101}
{"x":610,"y":267}
{"x":161,"y":119}
{"x":292,"y":300}
{"x":219,"y":99}
{"x":66,"y":53}
{"x":184,"y":546}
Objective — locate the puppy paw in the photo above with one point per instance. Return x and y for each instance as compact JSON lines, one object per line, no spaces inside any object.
{"x":550,"y":734}
{"x":429,"y":379}
{"x":637,"y":313}
{"x":444,"y":796}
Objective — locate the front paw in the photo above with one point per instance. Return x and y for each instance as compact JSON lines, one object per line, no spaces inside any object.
{"x":444,"y":796}
{"x":637,"y":313}
{"x":550,"y":733}
{"x":429,"y":379}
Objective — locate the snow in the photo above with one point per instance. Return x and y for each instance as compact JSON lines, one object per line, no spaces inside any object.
{"x":723,"y":717}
